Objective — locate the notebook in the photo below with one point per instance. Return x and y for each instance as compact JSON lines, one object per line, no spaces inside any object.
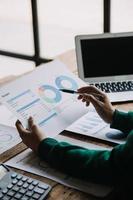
{"x":106,"y":61}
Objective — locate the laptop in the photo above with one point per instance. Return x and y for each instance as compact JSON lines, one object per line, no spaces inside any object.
{"x":106,"y":61}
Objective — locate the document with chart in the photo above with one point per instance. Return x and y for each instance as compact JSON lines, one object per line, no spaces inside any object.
{"x":92,"y":125}
{"x":9,"y":137}
{"x":37,"y":94}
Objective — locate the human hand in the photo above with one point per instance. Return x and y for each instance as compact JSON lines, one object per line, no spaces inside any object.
{"x":99,"y":100}
{"x":32,"y":136}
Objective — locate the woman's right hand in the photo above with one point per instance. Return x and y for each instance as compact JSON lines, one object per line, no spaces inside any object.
{"x":99,"y":100}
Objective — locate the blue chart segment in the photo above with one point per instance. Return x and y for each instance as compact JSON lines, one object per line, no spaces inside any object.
{"x":65,"y":82}
{"x":115,"y":134}
{"x":49,"y":99}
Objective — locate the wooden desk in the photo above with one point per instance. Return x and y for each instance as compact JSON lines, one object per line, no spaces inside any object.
{"x":59,"y":192}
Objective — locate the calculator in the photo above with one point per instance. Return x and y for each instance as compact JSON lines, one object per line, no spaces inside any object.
{"x":15,"y":186}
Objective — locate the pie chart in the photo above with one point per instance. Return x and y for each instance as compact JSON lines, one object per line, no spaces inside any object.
{"x":65,"y":82}
{"x":49,"y":94}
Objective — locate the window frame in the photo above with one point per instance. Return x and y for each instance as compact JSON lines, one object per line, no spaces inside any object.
{"x":36,"y":58}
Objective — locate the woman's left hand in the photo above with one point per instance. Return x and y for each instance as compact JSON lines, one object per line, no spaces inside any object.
{"x":32,"y":136}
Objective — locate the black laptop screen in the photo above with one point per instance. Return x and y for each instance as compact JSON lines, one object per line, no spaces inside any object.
{"x":107,"y":56}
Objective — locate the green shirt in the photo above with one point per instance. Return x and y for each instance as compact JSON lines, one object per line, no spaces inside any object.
{"x":100,"y":166}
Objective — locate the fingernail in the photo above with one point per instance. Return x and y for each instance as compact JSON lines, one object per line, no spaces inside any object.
{"x":18,"y":121}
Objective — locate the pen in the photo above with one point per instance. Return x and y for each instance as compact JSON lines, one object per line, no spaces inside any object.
{"x":69,"y":91}
{"x":72,"y":92}
{"x":98,"y":96}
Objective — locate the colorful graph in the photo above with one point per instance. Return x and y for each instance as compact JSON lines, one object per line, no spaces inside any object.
{"x":65,"y":82}
{"x":54,"y":94}
{"x":51,"y":94}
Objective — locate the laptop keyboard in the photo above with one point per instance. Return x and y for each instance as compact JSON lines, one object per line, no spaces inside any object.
{"x":115,"y":86}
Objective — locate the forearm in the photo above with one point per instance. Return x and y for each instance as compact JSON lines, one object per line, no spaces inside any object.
{"x":77,"y":161}
{"x":98,"y":166}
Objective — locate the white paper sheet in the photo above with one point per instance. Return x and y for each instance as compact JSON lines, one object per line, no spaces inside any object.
{"x":6,"y":116}
{"x":9,"y":137}
{"x":27,"y":161}
{"x":92,"y":125}
{"x":37,"y":94}
{"x":89,"y":124}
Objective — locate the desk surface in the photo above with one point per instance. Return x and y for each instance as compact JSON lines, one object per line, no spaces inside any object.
{"x":59,"y":191}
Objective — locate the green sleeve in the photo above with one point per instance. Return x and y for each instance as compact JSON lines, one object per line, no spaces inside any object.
{"x":75,"y":160}
{"x":100,"y":166}
{"x":122,"y":121}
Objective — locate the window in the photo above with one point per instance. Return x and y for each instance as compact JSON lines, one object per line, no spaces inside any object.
{"x":16,"y":33}
{"x":36,"y":30}
{"x":12,"y":66}
{"x":121,"y":15}
{"x":61,"y":20}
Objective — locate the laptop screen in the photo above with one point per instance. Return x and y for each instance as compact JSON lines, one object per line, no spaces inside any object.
{"x":107,"y":56}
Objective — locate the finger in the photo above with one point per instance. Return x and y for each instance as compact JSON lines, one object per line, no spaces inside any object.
{"x":87,"y":104}
{"x":80,"y":97}
{"x":83,"y":100}
{"x":90,"y":89}
{"x":86,"y":98}
{"x":30,"y":122}
{"x":96,"y":103}
{"x":100,"y":97}
{"x":83,"y":89}
{"x":35,"y":129}
{"x":22,"y":131}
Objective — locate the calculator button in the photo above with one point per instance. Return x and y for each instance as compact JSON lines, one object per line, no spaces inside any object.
{"x":1,"y":195}
{"x":19,"y":177}
{"x":32,"y":198}
{"x":24,"y":179}
{"x":15,"y":188}
{"x":22,"y":191}
{"x":43,"y":186}
{"x":25,"y":198}
{"x":29,"y":194}
{"x":31,"y":187}
{"x":13,"y":198}
{"x":5,"y":191}
{"x":39,"y":191}
{"x":36,"y":196}
{"x":25,"y":185}
{"x":11,"y":193}
{"x":18,"y":196}
{"x":14,"y":181}
{"x":10,"y":186}
{"x":14,"y":175}
{"x":20,"y":183}
{"x":6,"y":198}
{"x":29,"y":181}
{"x":35,"y":183}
